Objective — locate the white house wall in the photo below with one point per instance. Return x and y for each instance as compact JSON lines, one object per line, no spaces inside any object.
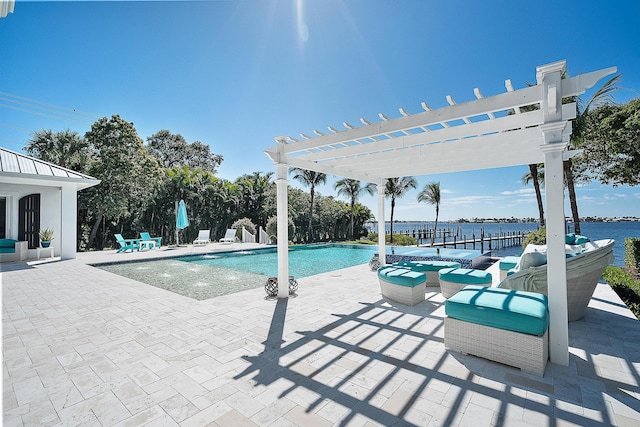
{"x":50,"y":214}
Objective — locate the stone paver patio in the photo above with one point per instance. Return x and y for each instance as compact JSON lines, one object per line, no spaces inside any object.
{"x":84,"y":347}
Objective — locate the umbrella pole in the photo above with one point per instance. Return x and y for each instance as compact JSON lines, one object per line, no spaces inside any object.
{"x":177,"y":243}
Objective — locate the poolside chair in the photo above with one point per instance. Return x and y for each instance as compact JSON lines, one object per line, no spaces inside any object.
{"x":229,"y":236}
{"x":149,"y":241}
{"x":584,"y":270}
{"x":127,"y":244}
{"x":203,"y":238}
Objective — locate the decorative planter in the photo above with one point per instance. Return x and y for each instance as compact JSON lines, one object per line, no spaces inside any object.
{"x":271,"y":287}
{"x":45,"y":243}
{"x":374,"y":264}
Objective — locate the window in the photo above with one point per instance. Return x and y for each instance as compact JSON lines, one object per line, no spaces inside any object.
{"x":29,"y":220}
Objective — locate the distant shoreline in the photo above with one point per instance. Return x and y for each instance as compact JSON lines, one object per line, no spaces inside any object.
{"x":511,"y":220}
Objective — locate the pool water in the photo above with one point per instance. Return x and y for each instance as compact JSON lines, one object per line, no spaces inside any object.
{"x":207,"y":276}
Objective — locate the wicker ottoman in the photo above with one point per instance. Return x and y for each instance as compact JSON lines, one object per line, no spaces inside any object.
{"x":402,"y":285}
{"x":430,"y":268}
{"x":506,"y":327}
{"x":454,"y":279}
{"x":506,"y":264}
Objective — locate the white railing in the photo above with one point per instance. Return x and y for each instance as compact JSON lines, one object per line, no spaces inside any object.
{"x":263,"y":237}
{"x":247,"y":237}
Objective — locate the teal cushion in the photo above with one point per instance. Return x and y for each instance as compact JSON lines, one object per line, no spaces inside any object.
{"x":8,"y":243}
{"x":466,"y":276}
{"x":10,"y":250}
{"x":518,"y":311}
{"x":401,"y":276}
{"x":427,"y":265}
{"x":581,"y":240}
{"x":509,"y":262}
{"x":569,"y":238}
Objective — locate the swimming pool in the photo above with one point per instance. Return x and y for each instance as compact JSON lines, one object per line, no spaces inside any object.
{"x":206,"y":276}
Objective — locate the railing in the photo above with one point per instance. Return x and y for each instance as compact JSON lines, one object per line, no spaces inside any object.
{"x":247,"y":237}
{"x":263,"y":237}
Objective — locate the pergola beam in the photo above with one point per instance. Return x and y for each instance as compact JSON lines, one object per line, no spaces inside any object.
{"x":494,"y":133}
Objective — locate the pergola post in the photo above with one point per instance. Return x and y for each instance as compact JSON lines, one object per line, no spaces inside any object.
{"x":554,"y":147}
{"x":282,"y":184}
{"x":382,"y":257}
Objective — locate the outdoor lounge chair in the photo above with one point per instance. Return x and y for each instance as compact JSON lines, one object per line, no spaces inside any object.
{"x":127,"y":244}
{"x":584,"y":270}
{"x":229,"y":236}
{"x":149,"y":241}
{"x":203,"y":238}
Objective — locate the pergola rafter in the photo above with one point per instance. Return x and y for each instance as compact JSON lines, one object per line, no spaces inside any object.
{"x":484,"y":133}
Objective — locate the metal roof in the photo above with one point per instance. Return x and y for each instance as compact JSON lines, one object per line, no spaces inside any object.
{"x":6,"y":7}
{"x":16,"y":165}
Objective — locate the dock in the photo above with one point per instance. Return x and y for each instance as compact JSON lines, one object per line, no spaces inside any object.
{"x":446,"y":238}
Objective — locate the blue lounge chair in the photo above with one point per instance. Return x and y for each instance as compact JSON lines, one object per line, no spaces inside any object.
{"x":127,"y":244}
{"x":149,"y":241}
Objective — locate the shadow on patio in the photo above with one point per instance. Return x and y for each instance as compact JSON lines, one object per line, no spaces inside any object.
{"x":387,"y":364}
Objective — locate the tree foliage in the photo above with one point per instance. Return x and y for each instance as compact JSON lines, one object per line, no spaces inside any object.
{"x":128,"y":173}
{"x":253,"y":193}
{"x":395,"y":188}
{"x":611,"y":143}
{"x":140,"y":185}
{"x":431,"y":194}
{"x":65,"y":148}
{"x":352,"y":188}
{"x":310,"y":179}
{"x":173,"y":150}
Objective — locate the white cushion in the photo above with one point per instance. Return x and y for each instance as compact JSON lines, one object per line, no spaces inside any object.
{"x":532,"y":259}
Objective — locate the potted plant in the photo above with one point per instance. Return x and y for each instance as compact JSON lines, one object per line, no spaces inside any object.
{"x":46,"y":236}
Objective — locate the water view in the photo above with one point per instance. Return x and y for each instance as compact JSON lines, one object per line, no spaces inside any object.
{"x":594,"y":230}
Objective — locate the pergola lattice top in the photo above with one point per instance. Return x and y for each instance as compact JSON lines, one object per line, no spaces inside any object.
{"x":480,"y":134}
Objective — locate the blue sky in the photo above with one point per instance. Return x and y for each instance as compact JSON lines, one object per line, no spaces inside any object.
{"x":235,"y":74}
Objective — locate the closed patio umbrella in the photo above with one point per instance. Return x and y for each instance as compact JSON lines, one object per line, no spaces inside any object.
{"x":182,"y":220}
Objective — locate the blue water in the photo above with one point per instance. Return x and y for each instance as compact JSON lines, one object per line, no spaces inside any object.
{"x":213,"y":275}
{"x":303,"y":261}
{"x":594,"y":230}
{"x":208,"y":276}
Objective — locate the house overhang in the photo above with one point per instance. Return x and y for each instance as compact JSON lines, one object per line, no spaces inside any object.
{"x":46,"y":181}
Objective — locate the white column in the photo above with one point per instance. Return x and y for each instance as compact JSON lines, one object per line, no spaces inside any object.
{"x":68,"y":222}
{"x":282,"y":184}
{"x":381,"y":231}
{"x":550,"y":76}
{"x":556,"y":262}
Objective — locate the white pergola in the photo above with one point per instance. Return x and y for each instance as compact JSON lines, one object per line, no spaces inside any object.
{"x":484,"y":133}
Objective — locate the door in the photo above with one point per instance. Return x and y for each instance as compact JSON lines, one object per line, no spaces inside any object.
{"x":29,"y":220}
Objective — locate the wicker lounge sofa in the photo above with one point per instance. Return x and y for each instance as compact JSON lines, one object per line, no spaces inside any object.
{"x":584,"y":270}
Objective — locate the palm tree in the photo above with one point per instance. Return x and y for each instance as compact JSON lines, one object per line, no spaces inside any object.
{"x":536,"y":176}
{"x":398,"y":187}
{"x":254,"y":189}
{"x":431,"y":194}
{"x":66,"y":149}
{"x":602,"y":96}
{"x":352,"y":189}
{"x":310,"y":179}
